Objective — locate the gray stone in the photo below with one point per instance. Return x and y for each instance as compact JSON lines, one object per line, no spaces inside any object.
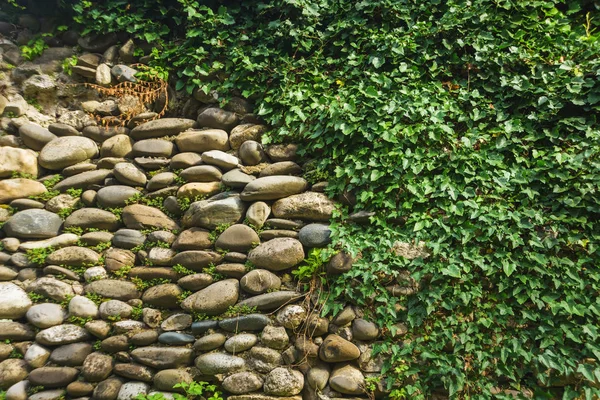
{"x":273,"y":187}
{"x":212,"y":213}
{"x":257,"y":214}
{"x":71,"y":355}
{"x":281,"y":168}
{"x":34,"y":136}
{"x":153,"y":148}
{"x":242,"y":133}
{"x":117,"y":146}
{"x":175,"y":338}
{"x":318,"y":375}
{"x":219,"y":363}
{"x":114,"y":308}
{"x":315,"y":235}
{"x":45,"y":315}
{"x":128,"y":238}
{"x":196,"y":259}
{"x":52,"y":288}
{"x":201,"y":173}
{"x":237,"y":179}
{"x":242,"y":382}
{"x":83,"y":180}
{"x":129,"y":174}
{"x":73,"y":256}
{"x":205,"y":140}
{"x":52,"y":377}
{"x":36,"y":356}
{"x":210,"y":342}
{"x":11,"y":372}
{"x":307,"y":206}
{"x":251,"y":153}
{"x":364,"y":330}
{"x":108,"y":389}
{"x":238,"y":238}
{"x":63,"y":130}
{"x":161,"y":180}
{"x":65,"y":151}
{"x":134,"y":372}
{"x":137,"y":216}
{"x":240,"y":343}
{"x":263,"y":359}
{"x":164,"y":296}
{"x":123,"y":73}
{"x":103,"y":75}
{"x":282,"y":152}
{"x":259,"y":281}
{"x":62,"y":334}
{"x":347,"y":379}
{"x":82,"y":307}
{"x":163,"y":357}
{"x":220,"y":159}
{"x":14,"y":302}
{"x":161,"y":127}
{"x":215,"y":299}
{"x":201,"y":327}
{"x":54,"y":394}
{"x":131,"y":390}
{"x":277,"y":254}
{"x":166,"y":379}
{"x":337,"y":349}
{"x":15,"y":331}
{"x":291,"y":316}
{"x":185,"y":160}
{"x":97,"y":367}
{"x":114,"y":289}
{"x":275,"y":337}
{"x":270,"y":301}
{"x":115,"y":196}
{"x":284,"y":382}
{"x":217,"y":118}
{"x":33,"y":224}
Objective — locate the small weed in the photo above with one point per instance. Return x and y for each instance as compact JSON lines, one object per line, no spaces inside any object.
{"x":217,"y":231}
{"x":212,"y":271}
{"x":143,"y":285}
{"x":114,"y":318}
{"x":249,"y":266}
{"x":184,"y":295}
{"x":65,"y":212}
{"x":68,"y":64}
{"x":33,"y":49}
{"x":15,"y":354}
{"x":117,"y":212}
{"x":34,"y":103}
{"x":137,"y":313}
{"x":74,"y":192}
{"x":237,"y":310}
{"x":76,"y":230}
{"x":38,"y":256}
{"x":79,"y":320}
{"x":66,"y":301}
{"x":45,"y":196}
{"x":36,"y":298}
{"x":50,"y":182}
{"x":23,"y":175}
{"x":122,"y":272}
{"x":181,"y":270}
{"x":97,"y":345}
{"x":96,"y":298}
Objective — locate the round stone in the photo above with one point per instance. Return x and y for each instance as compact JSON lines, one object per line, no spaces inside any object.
{"x":241,"y":342}
{"x":66,"y":151}
{"x":259,"y":281}
{"x":347,"y":379}
{"x":62,"y":334}
{"x":273,"y":187}
{"x":115,"y":196}
{"x":337,"y":349}
{"x":14,"y":302}
{"x":315,"y":235}
{"x":13,"y":159}
{"x":201,"y":141}
{"x":284,"y":382}
{"x":310,"y":206}
{"x":201,"y":173}
{"x":215,"y":299}
{"x":291,"y":316}
{"x":46,"y":315}
{"x":34,"y":136}
{"x":277,"y":254}
{"x":210,"y":342}
{"x":119,"y":146}
{"x":219,"y":363}
{"x":33,"y":224}
{"x":251,"y":153}
{"x":19,"y":188}
{"x":129,"y":174}
{"x":238,"y":238}
{"x":242,"y":382}
{"x":12,"y":371}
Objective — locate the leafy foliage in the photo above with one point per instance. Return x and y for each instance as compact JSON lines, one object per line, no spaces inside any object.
{"x":470,"y":126}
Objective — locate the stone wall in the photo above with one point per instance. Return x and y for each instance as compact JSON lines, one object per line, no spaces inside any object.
{"x":135,"y":257}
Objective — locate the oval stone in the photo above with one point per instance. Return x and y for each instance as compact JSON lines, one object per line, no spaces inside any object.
{"x":66,"y":151}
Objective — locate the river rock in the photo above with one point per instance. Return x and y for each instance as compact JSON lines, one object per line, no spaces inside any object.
{"x":242,"y":133}
{"x":281,"y":168}
{"x":73,"y":256}
{"x":175,"y":338}
{"x":53,"y":377}
{"x":215,"y":299}
{"x":201,"y":173}
{"x":219,"y":363}
{"x":34,"y":136}
{"x":33,"y":224}
{"x":249,"y":322}
{"x":13,"y":160}
{"x":259,"y":281}
{"x":277,"y":254}
{"x":284,"y":382}
{"x":19,"y":188}
{"x":97,"y":367}
{"x":347,"y":379}
{"x":134,"y":372}
{"x":66,"y":239}
{"x":275,"y":337}
{"x":210,"y":342}
{"x":201,"y":141}
{"x":198,"y":189}
{"x":71,"y":355}
{"x":115,"y":196}
{"x":11,"y":372}
{"x":212,"y":213}
{"x":15,"y":331}
{"x":62,"y":334}
{"x":258,"y":213}
{"x":220,"y":159}
{"x":153,"y":148}
{"x":114,"y":289}
{"x":45,"y":315}
{"x":251,"y":153}
{"x":108,"y":389}
{"x":36,"y":356}
{"x":242,"y":342}
{"x":238,"y":238}
{"x":128,"y":238}
{"x":237,"y":179}
{"x":52,"y":288}
{"x":273,"y":187}
{"x":166,"y":379}
{"x":337,"y":349}
{"x":242,"y":382}
{"x":119,"y":146}
{"x":14,"y":302}
{"x":164,"y":296}
{"x":196,"y":259}
{"x":83,"y":180}
{"x":129,"y":174}
{"x":161,"y":127}
{"x":315,"y":235}
{"x":270,"y":301}
{"x":163,"y":357}
{"x":307,"y":206}
{"x":65,"y":151}
{"x":137,"y":216}
{"x":217,"y":118}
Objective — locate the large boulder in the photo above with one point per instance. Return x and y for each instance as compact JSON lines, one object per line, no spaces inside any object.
{"x":13,"y":160}
{"x":33,"y":224}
